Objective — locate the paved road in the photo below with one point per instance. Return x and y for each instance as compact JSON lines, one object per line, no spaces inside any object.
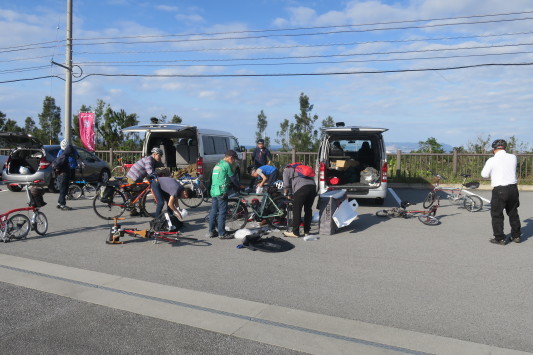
{"x":378,"y":286}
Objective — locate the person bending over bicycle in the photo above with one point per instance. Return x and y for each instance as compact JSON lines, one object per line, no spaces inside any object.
{"x":303,"y":195}
{"x":145,"y":168}
{"x":172,"y":190}
{"x":267,"y":173}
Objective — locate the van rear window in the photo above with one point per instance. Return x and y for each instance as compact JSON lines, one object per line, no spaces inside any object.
{"x":215,"y":145}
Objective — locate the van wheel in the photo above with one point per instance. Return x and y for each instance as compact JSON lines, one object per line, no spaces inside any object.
{"x":14,"y":187}
{"x":379,"y":201}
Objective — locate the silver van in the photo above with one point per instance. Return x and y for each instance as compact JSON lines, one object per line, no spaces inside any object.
{"x":184,"y":145}
{"x":355,"y":159}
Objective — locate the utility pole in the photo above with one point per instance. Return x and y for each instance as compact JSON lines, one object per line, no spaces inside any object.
{"x":68,"y":74}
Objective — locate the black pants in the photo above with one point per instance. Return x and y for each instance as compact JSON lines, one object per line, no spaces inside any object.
{"x":65,"y":178}
{"x":505,"y":198}
{"x":304,"y":197}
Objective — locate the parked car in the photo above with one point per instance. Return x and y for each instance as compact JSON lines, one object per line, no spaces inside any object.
{"x":355,"y":159}
{"x":185,"y":145}
{"x":30,"y":161}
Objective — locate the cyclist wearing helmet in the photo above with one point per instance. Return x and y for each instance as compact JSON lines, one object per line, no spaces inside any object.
{"x":145,"y":168}
{"x":501,"y":169}
{"x":65,"y":169}
{"x":261,"y":155}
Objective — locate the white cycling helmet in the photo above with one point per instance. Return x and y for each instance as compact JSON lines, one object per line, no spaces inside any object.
{"x":157,"y":151}
{"x":64,"y":144}
{"x":279,"y":184}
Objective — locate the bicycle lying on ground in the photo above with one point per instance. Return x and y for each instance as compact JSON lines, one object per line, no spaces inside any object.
{"x":116,"y":232}
{"x":15,"y":225}
{"x":115,"y":197}
{"x":272,"y":209}
{"x":425,"y":216}
{"x":471,"y":203}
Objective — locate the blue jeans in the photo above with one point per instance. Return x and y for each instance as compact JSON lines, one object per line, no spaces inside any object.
{"x":219,"y":207}
{"x":158,"y":193}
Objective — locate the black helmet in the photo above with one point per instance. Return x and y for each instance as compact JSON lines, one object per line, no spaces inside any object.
{"x":262,"y":141}
{"x":250,"y":168}
{"x":499,"y":144}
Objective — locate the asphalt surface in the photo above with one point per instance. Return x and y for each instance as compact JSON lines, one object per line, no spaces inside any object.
{"x":444,"y":280}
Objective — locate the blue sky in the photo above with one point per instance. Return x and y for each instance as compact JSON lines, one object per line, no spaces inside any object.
{"x":244,"y":55}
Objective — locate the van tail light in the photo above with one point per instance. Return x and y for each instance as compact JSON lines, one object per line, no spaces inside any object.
{"x":43,"y":163}
{"x":200,"y":166}
{"x":6,"y":163}
{"x":322,"y":172}
{"x":384,"y":169}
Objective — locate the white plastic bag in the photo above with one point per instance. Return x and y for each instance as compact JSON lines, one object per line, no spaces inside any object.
{"x":345,"y":214}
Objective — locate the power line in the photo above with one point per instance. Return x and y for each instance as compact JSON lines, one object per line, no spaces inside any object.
{"x":307,"y":28}
{"x":308,"y":45}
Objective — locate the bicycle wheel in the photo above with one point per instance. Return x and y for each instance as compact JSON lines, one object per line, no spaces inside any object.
{"x":40,"y":223}
{"x":473,"y":203}
{"x":149,"y":204}
{"x":118,"y":171}
{"x":237,"y":215}
{"x":112,"y":209}
{"x":18,"y":226}
{"x":89,"y":191}
{"x":74,"y":192}
{"x":429,"y":220}
{"x":283,"y":222}
{"x":196,"y":196}
{"x":430,"y":199}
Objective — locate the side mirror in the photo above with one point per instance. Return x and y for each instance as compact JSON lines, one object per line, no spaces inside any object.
{"x":242,"y":148}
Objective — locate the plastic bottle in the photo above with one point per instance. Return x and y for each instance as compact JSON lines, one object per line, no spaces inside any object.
{"x":311,"y":237}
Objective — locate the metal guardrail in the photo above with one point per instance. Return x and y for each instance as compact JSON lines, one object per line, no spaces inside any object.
{"x":403,"y":167}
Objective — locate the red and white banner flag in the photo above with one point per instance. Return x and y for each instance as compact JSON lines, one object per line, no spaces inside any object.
{"x":87,"y":130}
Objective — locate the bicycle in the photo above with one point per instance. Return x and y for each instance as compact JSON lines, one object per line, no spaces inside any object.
{"x":15,"y":225}
{"x":427,"y":217}
{"x":121,"y":197}
{"x":198,"y":191}
{"x":116,"y":232}
{"x":471,"y":203}
{"x":79,"y":188}
{"x":122,"y":169}
{"x":272,"y":209}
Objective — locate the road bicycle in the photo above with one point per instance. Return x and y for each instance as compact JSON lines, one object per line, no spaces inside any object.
{"x":116,"y":232}
{"x":14,"y":225}
{"x":425,"y":216}
{"x":456,"y":195}
{"x":115,"y":197}
{"x":122,"y":169}
{"x":197,"y":190}
{"x":271,"y":208}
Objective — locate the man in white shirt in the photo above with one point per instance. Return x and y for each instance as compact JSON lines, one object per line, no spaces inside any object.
{"x":501,"y":169}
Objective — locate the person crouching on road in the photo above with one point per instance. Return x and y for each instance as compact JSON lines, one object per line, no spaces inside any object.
{"x":303,"y":195}
{"x":501,"y":169}
{"x":145,"y":168}
{"x":172,"y":190}
{"x":222,"y":179}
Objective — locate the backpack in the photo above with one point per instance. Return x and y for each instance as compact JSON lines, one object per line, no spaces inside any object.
{"x":301,"y":170}
{"x":61,"y":163}
{"x":165,"y":222}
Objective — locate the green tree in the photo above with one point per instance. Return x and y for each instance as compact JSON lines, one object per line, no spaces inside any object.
{"x":111,"y":130}
{"x":328,"y":122}
{"x":303,"y":136}
{"x":430,"y":145}
{"x":480,"y":145}
{"x":283,"y":135}
{"x":176,"y":119}
{"x":262,"y":124}
{"x":2,"y":121}
{"x":9,"y":125}
{"x":50,"y":121}
{"x":29,"y":126}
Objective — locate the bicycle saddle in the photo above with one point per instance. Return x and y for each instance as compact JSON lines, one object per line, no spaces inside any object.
{"x":405,"y":204}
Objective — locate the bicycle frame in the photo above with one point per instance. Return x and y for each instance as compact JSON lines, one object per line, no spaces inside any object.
{"x":261,"y":209}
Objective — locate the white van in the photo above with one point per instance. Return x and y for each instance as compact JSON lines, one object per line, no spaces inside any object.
{"x":355,"y":159}
{"x":184,"y":145}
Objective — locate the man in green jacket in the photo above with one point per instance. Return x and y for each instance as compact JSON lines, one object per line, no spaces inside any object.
{"x":222,"y":179}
